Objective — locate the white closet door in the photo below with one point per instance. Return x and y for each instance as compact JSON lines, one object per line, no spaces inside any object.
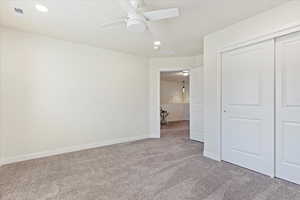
{"x":248,"y":107}
{"x":288,"y":108}
{"x":196,"y":104}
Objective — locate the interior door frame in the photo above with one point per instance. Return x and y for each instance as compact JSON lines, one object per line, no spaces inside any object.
{"x":172,"y":69}
{"x":192,"y":104}
{"x":272,"y":35}
{"x":168,"y":70}
{"x":1,"y":132}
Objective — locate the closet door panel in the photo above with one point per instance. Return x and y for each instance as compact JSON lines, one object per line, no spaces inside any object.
{"x":248,"y":107}
{"x":288,"y":108}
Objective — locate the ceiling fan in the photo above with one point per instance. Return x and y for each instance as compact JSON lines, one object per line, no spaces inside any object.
{"x":136,"y":20}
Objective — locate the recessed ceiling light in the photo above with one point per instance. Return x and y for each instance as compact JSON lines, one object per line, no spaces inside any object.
{"x":156,"y":47}
{"x":41,"y":8}
{"x":157,"y":43}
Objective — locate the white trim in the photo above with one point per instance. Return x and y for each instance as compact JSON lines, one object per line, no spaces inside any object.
{"x":157,"y":77}
{"x":211,"y":156}
{"x":199,"y":140}
{"x":286,"y":30}
{"x":279,"y":33}
{"x":1,"y":67}
{"x":70,"y":149}
{"x":154,"y":136}
{"x":220,"y":96}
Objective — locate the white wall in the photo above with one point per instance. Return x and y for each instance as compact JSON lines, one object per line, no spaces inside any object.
{"x":172,"y":99}
{"x":165,"y":64}
{"x":281,"y":17}
{"x":171,"y":92}
{"x":59,"y":96}
{"x":177,"y":111}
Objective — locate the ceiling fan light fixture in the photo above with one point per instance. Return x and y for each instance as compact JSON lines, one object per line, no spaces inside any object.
{"x":136,"y":25}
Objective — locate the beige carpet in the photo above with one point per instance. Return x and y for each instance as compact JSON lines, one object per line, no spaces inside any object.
{"x":170,"y":168}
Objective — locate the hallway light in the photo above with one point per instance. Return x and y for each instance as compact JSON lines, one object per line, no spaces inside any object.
{"x":185,"y":73}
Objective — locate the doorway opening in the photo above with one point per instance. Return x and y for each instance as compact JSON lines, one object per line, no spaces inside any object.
{"x":175,"y":103}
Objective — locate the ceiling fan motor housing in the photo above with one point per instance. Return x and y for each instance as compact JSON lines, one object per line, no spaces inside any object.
{"x":136,"y":23}
{"x":137,"y":19}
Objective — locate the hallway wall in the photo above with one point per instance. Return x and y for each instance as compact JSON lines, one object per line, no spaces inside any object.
{"x":172,"y":99}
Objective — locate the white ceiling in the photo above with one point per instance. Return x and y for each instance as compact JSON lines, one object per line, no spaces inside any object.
{"x":80,"y":20}
{"x":173,"y":76}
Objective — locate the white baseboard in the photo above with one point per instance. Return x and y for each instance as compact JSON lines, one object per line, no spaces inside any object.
{"x":211,"y":156}
{"x":155,"y":135}
{"x":199,"y":137}
{"x":31,"y":156}
{"x":178,"y":120}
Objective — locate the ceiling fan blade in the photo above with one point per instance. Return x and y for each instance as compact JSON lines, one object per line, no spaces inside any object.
{"x":161,"y":14}
{"x":113,"y":23}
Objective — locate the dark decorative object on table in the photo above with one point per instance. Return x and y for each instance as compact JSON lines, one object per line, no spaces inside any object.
{"x":163,"y":116}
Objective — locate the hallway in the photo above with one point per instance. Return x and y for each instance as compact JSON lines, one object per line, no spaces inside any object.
{"x":178,"y":128}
